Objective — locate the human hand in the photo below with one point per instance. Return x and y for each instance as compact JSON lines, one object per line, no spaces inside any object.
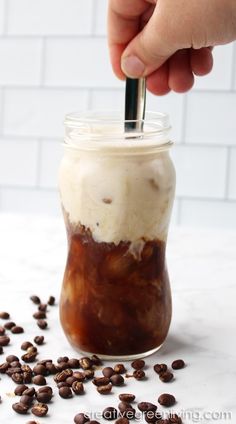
{"x":168,"y":41}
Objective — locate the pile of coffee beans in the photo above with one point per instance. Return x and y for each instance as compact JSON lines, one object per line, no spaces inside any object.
{"x":70,"y":376}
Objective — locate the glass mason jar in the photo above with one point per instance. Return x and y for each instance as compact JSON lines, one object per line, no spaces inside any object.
{"x":117,"y":192}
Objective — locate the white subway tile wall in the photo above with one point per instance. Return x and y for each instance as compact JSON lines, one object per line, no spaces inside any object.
{"x":54,"y":60}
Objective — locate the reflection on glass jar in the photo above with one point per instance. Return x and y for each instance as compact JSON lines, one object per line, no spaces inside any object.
{"x":117,"y":192}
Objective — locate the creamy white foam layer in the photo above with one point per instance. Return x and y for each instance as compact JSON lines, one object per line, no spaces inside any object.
{"x":117,"y":198}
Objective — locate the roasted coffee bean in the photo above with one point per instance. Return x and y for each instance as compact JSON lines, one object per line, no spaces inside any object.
{"x":159,"y":368}
{"x":164,"y":421}
{"x":73,"y":363}
{"x":32,"y":349}
{"x":104,"y":390}
{"x":19,"y":390}
{"x":45,"y":389}
{"x":35,"y":299}
{"x":138,"y":364}
{"x":17,"y":378}
{"x":43,"y":307}
{"x":9,"y":325}
{"x":15,"y":364}
{"x":178,"y":364}
{"x":43,"y":397}
{"x":65,"y":392}
{"x":13,"y":370}
{"x":126,"y":410}
{"x":29,"y":357}
{"x":166,"y":377}
{"x":63,"y":375}
{"x":39,"y":315}
{"x":70,"y":380}
{"x":89,"y":374}
{"x":31,"y":422}
{"x":27,"y":378}
{"x":29,"y":392}
{"x":96,"y":360}
{"x":26,"y":368}
{"x":108,"y":372}
{"x":12,"y":358}
{"x":146,"y":406}
{"x":51,"y":300}
{"x":44,"y":362}
{"x":110,"y":413}
{"x":122,"y":420}
{"x":78,"y":387}
{"x":101,"y":381}
{"x":81,"y":418}
{"x":127,"y":397}
{"x":4,"y":367}
{"x":117,"y":380}
{"x":62,"y":366}
{"x":63,"y":384}
{"x":26,"y":400}
{"x":93,"y":422}
{"x":26,"y":345}
{"x":139,"y":374}
{"x":40,"y":369}
{"x":152,"y":416}
{"x":4,"y":340}
{"x":17,"y":329}
{"x":40,"y":409}
{"x":174,"y":419}
{"x":85,"y":363}
{"x":2,"y":331}
{"x":42,"y":324}
{"x":20,"y":408}
{"x":166,"y":399}
{"x":52,"y":369}
{"x":80,"y":376}
{"x":39,"y":340}
{"x":62,"y":359}
{"x":119,"y":369}
{"x":39,"y":380}
{"x":4,"y":315}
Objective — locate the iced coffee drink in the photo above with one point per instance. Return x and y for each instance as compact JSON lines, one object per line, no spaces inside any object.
{"x":116,"y":194}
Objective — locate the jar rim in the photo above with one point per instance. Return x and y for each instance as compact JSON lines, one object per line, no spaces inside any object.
{"x":95,"y":129}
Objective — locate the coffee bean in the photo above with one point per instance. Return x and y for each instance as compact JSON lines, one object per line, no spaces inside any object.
{"x":40,"y":369}
{"x":26,"y":345}
{"x":1,"y":350}
{"x":146,"y":406}
{"x":63,"y":384}
{"x":45,"y":362}
{"x":4,"y":315}
{"x":122,"y":420}
{"x":85,"y":363}
{"x":13,"y":370}
{"x":70,"y":380}
{"x":51,"y":300}
{"x":9,"y":325}
{"x":80,"y":376}
{"x":2,"y":331}
{"x":104,"y":390}
{"x":96,"y":360}
{"x":65,"y":392}
{"x":73,"y":363}
{"x":93,"y":422}
{"x":139,"y":374}
{"x":19,"y":390}
{"x":43,"y":397}
{"x":43,"y":307}
{"x":35,"y":299}
{"x":62,"y":366}
{"x":126,"y":410}
{"x":138,"y":364}
{"x":101,"y":381}
{"x":88,"y":374}
{"x":20,"y":408}
{"x":12,"y":358}
{"x":108,"y":372}
{"x":164,"y":421}
{"x":17,"y":378}
{"x":4,"y":367}
{"x":45,"y":389}
{"x":174,"y":419}
{"x":166,"y":377}
{"x":117,"y":380}
{"x":40,"y":409}
{"x":15,"y":364}
{"x":26,"y":400}
{"x":52,"y":369}
{"x":159,"y":368}
{"x":119,"y":369}
{"x":63,"y":375}
{"x":166,"y":399}
{"x":29,"y":392}
{"x":178,"y":364}
{"x":42,"y":324}
{"x":39,"y":380}
{"x":152,"y":416}
{"x":39,"y":315}
{"x":31,"y":422}
{"x":4,"y":340}
{"x":27,"y":377}
{"x":29,"y":356}
{"x":32,"y":349}
{"x":126,"y":397}
{"x":39,"y":340}
{"x":78,"y":387}
{"x":81,"y":418}
{"x":62,"y":359}
{"x":110,"y":413}
{"x":26,"y":368}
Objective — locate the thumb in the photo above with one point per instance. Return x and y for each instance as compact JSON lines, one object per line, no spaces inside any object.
{"x":149,"y":49}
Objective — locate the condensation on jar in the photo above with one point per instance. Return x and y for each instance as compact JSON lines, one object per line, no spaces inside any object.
{"x":117,"y":191}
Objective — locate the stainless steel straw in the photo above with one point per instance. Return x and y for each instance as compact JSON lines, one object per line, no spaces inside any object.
{"x":135,"y":102}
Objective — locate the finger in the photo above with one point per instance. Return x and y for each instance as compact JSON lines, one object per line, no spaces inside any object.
{"x":201,"y":61}
{"x":157,"y":82}
{"x":181,"y":78}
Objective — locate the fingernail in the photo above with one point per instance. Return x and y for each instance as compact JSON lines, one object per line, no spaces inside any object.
{"x":132,"y":66}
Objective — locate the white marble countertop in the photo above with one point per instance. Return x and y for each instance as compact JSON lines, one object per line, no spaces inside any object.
{"x":202,"y":267}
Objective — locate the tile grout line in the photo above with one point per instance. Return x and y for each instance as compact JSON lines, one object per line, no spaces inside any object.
{"x":5,"y":17}
{"x":93,"y":20}
{"x":233,"y":68}
{"x":227,"y":174}
{"x":2,"y":108}
{"x":43,"y":63}
{"x":39,"y":162}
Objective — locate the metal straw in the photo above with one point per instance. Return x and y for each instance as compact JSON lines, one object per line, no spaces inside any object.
{"x":135,"y":102}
